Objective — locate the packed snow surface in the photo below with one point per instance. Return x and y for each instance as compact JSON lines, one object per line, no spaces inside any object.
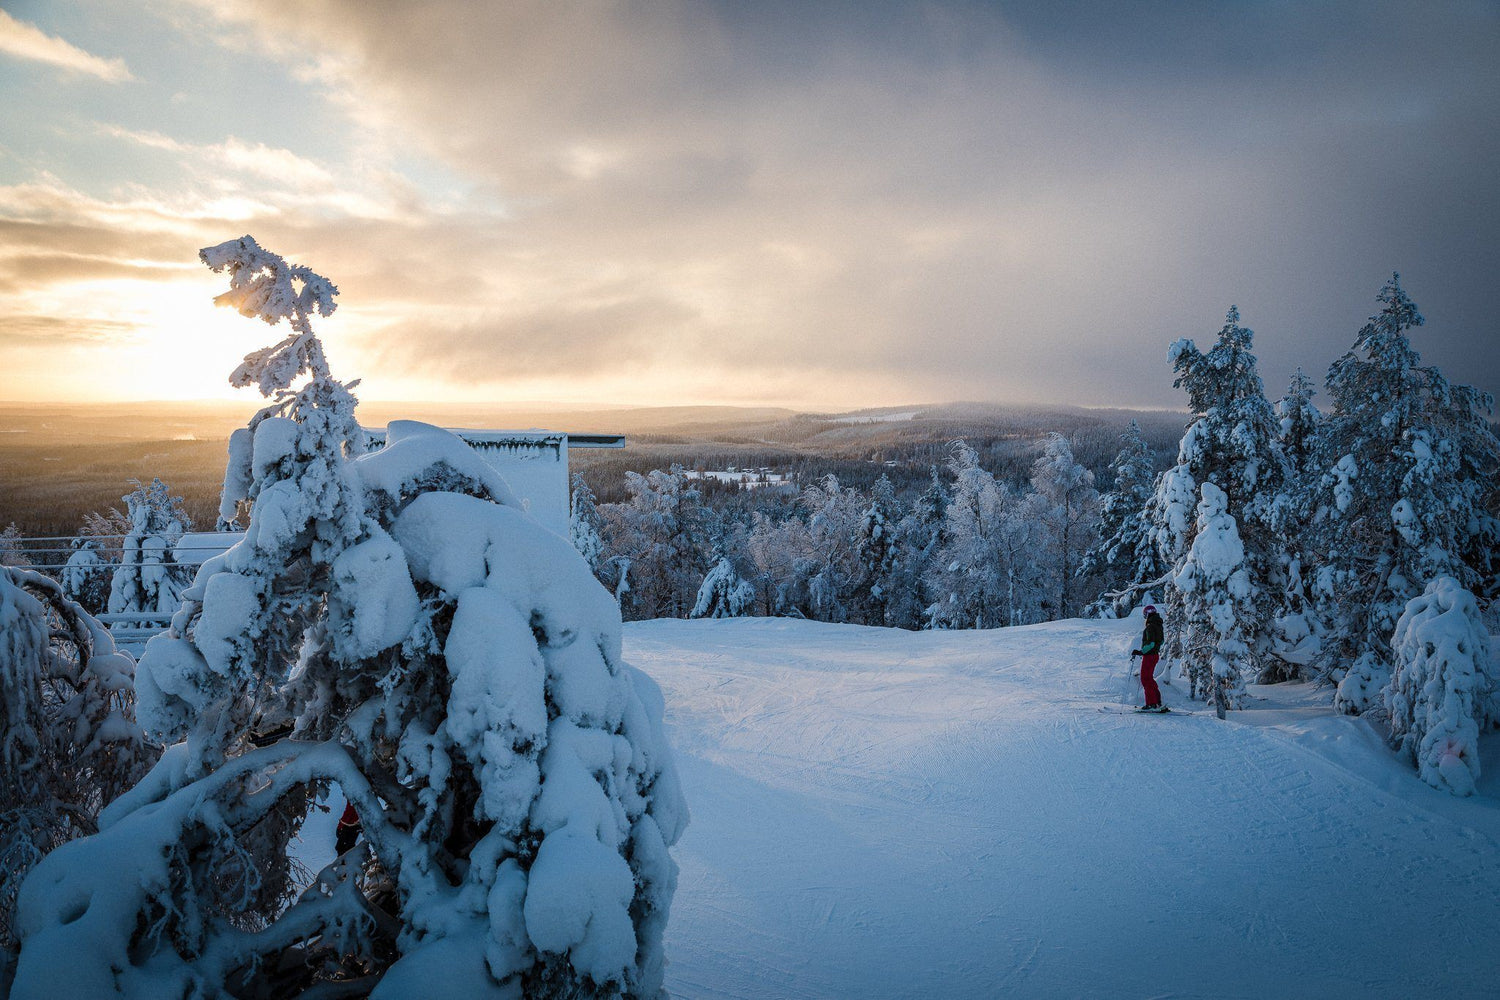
{"x":879,"y":813}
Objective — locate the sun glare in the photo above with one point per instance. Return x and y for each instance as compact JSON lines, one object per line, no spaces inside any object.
{"x":129,"y":339}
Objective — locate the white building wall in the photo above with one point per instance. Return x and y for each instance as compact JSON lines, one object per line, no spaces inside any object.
{"x":533,"y":463}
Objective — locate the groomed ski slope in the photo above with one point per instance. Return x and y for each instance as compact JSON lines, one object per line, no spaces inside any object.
{"x":887,"y":814}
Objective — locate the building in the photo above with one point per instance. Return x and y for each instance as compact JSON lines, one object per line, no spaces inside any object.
{"x":534,"y":463}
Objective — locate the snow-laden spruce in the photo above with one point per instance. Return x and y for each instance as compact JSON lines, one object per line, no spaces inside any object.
{"x":1126,"y":552}
{"x":1410,"y":489}
{"x":451,"y":665}
{"x":919,"y":535}
{"x":1233,"y":446}
{"x":1217,"y":610}
{"x":69,"y":742}
{"x":878,"y":549}
{"x":983,"y":576}
{"x":88,"y":574}
{"x":1296,"y":628}
{"x":1440,"y":695}
{"x":147,"y":577}
{"x":658,"y":540}
{"x":584,"y":524}
{"x":1064,"y":507}
{"x":826,"y":579}
{"x":724,"y":593}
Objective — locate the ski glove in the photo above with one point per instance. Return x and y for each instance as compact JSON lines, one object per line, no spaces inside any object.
{"x":1135,"y":652}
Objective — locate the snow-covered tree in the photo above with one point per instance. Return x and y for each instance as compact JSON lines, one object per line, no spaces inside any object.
{"x":12,"y":551}
{"x":584,"y":524}
{"x":1126,"y":552}
{"x":1410,"y":462}
{"x":659,"y":530}
{"x":1218,"y":610}
{"x":778,"y":551}
{"x":920,"y":535}
{"x":832,"y":569}
{"x":1173,"y":521}
{"x":147,"y":577}
{"x":69,"y":743}
{"x":255,"y":616}
{"x":535,"y":795}
{"x":985,"y":575}
{"x":1064,"y":507}
{"x":878,"y":548}
{"x":724,"y":593}
{"x":1440,"y":691}
{"x":87,"y":575}
{"x":457,"y":673}
{"x":1232,"y":445}
{"x":1296,"y":626}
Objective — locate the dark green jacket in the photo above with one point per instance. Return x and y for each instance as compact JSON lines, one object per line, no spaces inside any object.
{"x":1151,"y":639}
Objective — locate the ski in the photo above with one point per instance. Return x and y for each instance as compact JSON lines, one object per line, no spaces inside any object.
{"x":1108,"y":710}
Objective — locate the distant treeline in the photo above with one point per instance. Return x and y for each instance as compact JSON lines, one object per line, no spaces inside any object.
{"x":61,"y":470}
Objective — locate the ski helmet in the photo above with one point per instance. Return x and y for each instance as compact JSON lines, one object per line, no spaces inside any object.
{"x":1149,"y":609}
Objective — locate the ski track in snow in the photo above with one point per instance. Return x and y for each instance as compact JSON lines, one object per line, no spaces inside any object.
{"x":879,"y":813}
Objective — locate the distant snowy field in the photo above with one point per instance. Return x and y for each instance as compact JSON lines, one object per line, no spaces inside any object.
{"x":946,"y":814}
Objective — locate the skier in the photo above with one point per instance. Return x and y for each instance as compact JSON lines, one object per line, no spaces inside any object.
{"x":1150,"y":651}
{"x":348,"y":830}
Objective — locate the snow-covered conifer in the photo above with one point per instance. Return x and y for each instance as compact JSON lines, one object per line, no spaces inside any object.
{"x":1126,"y":552}
{"x":147,"y":577}
{"x":1065,"y":509}
{"x":985,"y":575}
{"x":255,"y":616}
{"x":69,"y":743}
{"x":1409,"y":484}
{"x":919,"y":535}
{"x":878,"y":548}
{"x":1296,"y":625}
{"x":584,"y":524}
{"x":659,"y":531}
{"x":1218,"y":608}
{"x":12,"y":552}
{"x":458,"y":674}
{"x":832,"y":570}
{"x":1439,"y":690}
{"x":778,"y":550}
{"x":1232,"y":445}
{"x":87,"y":575}
{"x":724,"y":593}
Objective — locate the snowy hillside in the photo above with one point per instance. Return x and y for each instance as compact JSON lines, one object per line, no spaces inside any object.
{"x":880,"y":813}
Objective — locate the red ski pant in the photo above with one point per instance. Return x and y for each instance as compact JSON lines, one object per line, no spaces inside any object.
{"x":1148,"y":680}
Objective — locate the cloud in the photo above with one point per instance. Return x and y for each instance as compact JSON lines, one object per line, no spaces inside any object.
{"x":843,"y":203}
{"x":25,"y":270}
{"x":24,"y":330}
{"x":939,"y":196}
{"x":585,"y":338}
{"x":27,"y":41}
{"x":257,"y":159}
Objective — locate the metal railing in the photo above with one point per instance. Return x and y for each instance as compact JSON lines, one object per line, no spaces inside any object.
{"x":131,"y":630}
{"x":22,"y":546}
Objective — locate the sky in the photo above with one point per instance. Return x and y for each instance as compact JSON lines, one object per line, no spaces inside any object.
{"x":822,"y":205}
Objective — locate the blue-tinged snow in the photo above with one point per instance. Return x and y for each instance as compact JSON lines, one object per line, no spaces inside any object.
{"x":880,"y":813}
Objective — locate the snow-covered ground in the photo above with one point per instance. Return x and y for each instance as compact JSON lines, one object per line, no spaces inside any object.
{"x":879,"y":813}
